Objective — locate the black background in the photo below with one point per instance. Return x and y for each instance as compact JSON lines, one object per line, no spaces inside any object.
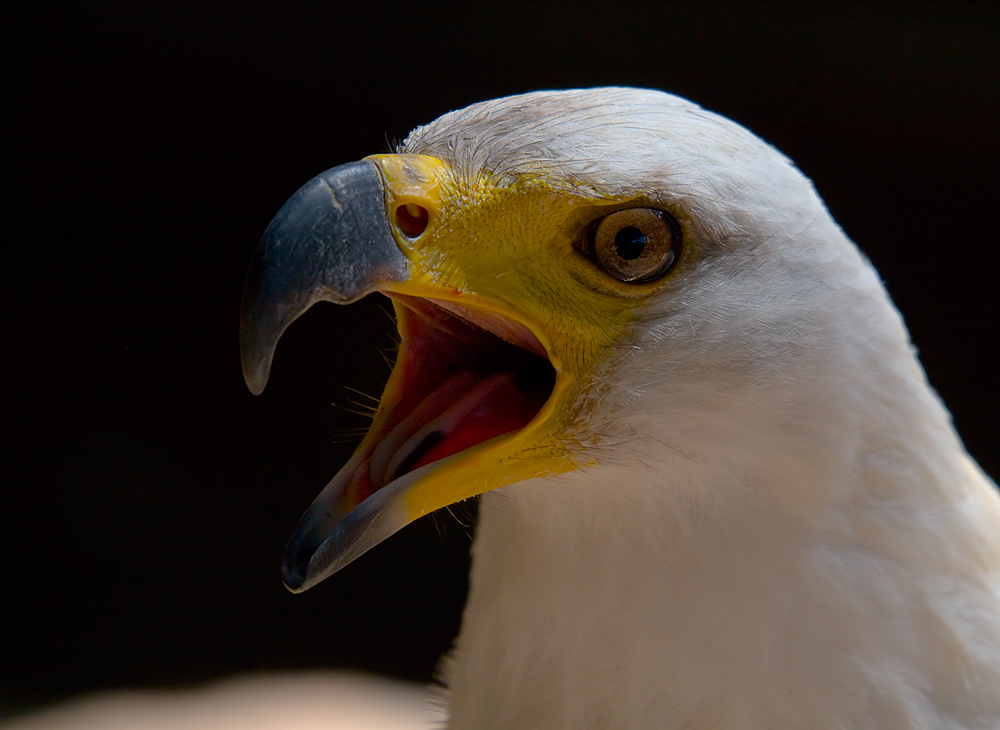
{"x":147,"y":495}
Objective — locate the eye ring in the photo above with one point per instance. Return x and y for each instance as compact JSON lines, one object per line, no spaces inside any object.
{"x":634,"y":245}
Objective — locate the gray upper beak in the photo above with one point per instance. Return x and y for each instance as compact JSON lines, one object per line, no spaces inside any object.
{"x":330,"y":241}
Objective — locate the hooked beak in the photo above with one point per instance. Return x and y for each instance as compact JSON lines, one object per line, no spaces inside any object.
{"x":329,"y":242}
{"x":477,"y":398}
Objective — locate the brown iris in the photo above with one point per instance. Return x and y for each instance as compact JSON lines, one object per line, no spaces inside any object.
{"x":636,"y":244}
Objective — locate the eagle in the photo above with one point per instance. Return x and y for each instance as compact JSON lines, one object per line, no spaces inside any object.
{"x":717,"y":490}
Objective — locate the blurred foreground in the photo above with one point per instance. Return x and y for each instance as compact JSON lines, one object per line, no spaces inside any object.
{"x":306,"y":701}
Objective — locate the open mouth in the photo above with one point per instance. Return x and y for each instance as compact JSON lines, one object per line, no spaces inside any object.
{"x":474,"y":401}
{"x":463,"y":377}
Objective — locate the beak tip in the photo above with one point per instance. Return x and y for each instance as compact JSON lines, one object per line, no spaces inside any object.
{"x":293,"y":578}
{"x":256,"y":379}
{"x":256,"y":364}
{"x":295,"y":573}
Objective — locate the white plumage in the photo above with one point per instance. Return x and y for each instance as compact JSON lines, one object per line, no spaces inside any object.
{"x":783,"y":529}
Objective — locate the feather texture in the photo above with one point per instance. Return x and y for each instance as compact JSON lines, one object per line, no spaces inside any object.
{"x":782,"y":528}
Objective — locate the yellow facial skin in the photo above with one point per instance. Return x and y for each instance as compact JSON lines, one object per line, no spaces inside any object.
{"x":507,"y":250}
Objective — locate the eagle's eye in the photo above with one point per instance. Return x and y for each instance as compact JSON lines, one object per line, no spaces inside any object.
{"x":634,"y":245}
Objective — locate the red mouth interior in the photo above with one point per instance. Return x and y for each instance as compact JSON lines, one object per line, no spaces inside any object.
{"x":461,"y":385}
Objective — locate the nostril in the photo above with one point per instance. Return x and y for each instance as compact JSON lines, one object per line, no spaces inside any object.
{"x":411,"y":219}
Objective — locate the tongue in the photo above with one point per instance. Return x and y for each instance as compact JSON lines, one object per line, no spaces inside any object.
{"x":382,"y":462}
{"x":494,"y":406}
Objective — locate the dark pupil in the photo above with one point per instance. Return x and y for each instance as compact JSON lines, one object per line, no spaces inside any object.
{"x":630,"y":242}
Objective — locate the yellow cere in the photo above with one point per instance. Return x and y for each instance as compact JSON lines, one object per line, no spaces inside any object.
{"x":508,"y":249}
